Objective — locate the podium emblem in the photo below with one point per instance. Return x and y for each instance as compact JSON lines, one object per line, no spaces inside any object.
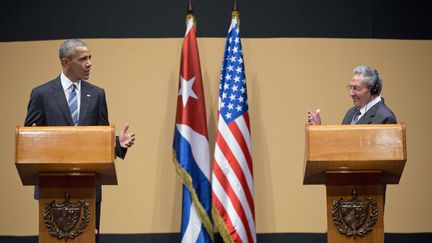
{"x":66,"y":220}
{"x":355,"y":217}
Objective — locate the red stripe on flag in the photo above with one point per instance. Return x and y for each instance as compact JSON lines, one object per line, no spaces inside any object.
{"x":246,"y":117}
{"x":223,"y":213}
{"x":236,"y":168}
{"x":235,"y":130}
{"x":233,"y":198}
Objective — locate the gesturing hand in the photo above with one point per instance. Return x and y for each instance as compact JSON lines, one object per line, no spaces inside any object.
{"x":314,"y":118}
{"x":126,"y":139}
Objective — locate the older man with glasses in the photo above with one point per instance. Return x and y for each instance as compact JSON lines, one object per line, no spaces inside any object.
{"x":369,"y":108}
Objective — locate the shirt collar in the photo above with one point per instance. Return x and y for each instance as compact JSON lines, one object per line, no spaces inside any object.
{"x":369,"y":105}
{"x":66,"y":83}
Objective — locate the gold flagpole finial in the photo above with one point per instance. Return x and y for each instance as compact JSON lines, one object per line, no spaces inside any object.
{"x":190,"y":15}
{"x":236,"y":13}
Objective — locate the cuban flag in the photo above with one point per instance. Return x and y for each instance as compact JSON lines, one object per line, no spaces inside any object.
{"x":191,"y":146}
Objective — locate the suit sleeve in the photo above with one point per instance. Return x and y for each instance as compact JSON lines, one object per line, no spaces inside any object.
{"x":103,"y":120}
{"x":120,"y":152}
{"x":389,"y":120}
{"x":35,"y":115}
{"x":384,"y":116}
{"x":35,"y":110}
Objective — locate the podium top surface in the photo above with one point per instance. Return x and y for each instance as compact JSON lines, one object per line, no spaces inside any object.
{"x":65,"y":149}
{"x":354,"y":148}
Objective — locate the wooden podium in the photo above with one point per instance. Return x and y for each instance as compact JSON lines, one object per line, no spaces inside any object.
{"x":355,"y":162}
{"x":67,"y":163}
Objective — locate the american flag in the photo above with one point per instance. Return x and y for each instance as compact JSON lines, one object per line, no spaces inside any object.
{"x":191,"y":146}
{"x":232,"y":177}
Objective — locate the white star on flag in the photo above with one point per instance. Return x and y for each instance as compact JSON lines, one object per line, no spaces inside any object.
{"x":186,"y":90}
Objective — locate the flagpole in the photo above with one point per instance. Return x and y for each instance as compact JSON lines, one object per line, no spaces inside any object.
{"x":190,"y":15}
{"x":236,"y":13}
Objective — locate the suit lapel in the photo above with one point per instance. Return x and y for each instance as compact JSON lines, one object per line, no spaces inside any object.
{"x":370,"y":114}
{"x":349,"y":116}
{"x":60,"y":98}
{"x":85,"y":99}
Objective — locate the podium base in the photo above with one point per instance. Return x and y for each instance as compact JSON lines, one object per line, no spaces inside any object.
{"x":69,"y":189}
{"x":347,"y":215}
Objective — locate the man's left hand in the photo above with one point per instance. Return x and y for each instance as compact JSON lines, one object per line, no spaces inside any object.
{"x":126,"y":139}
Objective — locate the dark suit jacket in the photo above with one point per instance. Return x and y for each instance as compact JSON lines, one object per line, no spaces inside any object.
{"x":48,"y":107}
{"x":378,"y":114}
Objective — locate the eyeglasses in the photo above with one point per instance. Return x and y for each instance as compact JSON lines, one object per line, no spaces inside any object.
{"x":354,"y":88}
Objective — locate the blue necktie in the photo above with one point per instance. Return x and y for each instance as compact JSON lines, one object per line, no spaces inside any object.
{"x":356,"y":117}
{"x":73,"y":105}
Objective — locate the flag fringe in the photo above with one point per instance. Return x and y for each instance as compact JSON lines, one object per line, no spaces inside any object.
{"x":186,"y":179}
{"x":221,"y":226}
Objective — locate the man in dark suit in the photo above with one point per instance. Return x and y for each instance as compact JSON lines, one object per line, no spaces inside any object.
{"x":369,"y":108}
{"x":68,"y":100}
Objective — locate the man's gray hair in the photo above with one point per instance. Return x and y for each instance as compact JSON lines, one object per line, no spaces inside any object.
{"x":67,"y":49}
{"x":370,"y":76}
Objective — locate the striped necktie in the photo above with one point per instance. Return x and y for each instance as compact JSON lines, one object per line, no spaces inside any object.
{"x":73,"y":104}
{"x":356,"y":117}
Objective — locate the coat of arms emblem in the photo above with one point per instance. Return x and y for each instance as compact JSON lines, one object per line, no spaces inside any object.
{"x":355,"y":217}
{"x":66,"y":220}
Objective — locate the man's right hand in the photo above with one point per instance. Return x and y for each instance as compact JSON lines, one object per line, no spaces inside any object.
{"x":126,"y":139}
{"x":314,"y":118}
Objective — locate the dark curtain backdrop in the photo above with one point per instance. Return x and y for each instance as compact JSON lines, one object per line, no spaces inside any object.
{"x":22,"y":20}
